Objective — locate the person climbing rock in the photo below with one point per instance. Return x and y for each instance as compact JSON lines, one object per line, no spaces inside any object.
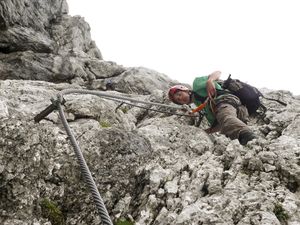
{"x":223,"y":110}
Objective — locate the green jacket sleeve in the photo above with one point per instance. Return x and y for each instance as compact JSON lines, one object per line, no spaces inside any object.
{"x":199,"y":86}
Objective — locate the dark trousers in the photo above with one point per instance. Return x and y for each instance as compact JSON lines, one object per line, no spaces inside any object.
{"x":231,"y":115}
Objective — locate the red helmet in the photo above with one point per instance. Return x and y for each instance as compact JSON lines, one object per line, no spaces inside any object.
{"x":172,"y":91}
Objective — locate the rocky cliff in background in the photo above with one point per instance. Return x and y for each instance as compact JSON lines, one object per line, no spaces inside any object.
{"x":150,"y":168}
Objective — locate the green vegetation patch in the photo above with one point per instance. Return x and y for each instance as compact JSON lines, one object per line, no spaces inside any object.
{"x":125,"y":110}
{"x":51,"y":211}
{"x":124,"y":222}
{"x":104,"y":124}
{"x":280,"y":213}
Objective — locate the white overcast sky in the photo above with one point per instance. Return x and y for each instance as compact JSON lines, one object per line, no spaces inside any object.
{"x":257,"y":41}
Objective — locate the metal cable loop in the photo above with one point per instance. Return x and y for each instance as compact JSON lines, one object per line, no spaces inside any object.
{"x":57,"y":104}
{"x":83,"y":166}
{"x":110,"y":96}
{"x":150,"y":109}
{"x":85,"y":171}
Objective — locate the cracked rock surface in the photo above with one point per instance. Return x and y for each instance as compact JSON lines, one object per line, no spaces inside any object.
{"x":149,"y":167}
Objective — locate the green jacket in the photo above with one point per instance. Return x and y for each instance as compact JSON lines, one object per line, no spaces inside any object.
{"x":199,"y":87}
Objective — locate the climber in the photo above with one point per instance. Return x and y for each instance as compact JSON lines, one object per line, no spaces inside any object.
{"x":223,"y":110}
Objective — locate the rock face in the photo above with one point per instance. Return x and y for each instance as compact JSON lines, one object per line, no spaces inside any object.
{"x":150,"y":168}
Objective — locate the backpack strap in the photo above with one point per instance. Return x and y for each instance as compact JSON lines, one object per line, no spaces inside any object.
{"x":226,"y":83}
{"x":276,"y":100}
{"x":199,"y":97}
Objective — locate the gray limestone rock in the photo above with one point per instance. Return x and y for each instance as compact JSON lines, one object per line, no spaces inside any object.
{"x":141,"y":81}
{"x":150,"y":167}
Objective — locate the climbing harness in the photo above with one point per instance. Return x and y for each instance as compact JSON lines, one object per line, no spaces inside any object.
{"x":57,"y":105}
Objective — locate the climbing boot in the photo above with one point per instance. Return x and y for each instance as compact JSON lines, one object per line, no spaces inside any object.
{"x":245,"y":137}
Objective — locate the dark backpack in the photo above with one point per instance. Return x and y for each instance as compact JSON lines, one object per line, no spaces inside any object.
{"x":248,"y":95}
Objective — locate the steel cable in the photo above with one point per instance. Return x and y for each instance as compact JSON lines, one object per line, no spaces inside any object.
{"x":110,"y":96}
{"x":85,"y":171}
{"x":57,"y":104}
